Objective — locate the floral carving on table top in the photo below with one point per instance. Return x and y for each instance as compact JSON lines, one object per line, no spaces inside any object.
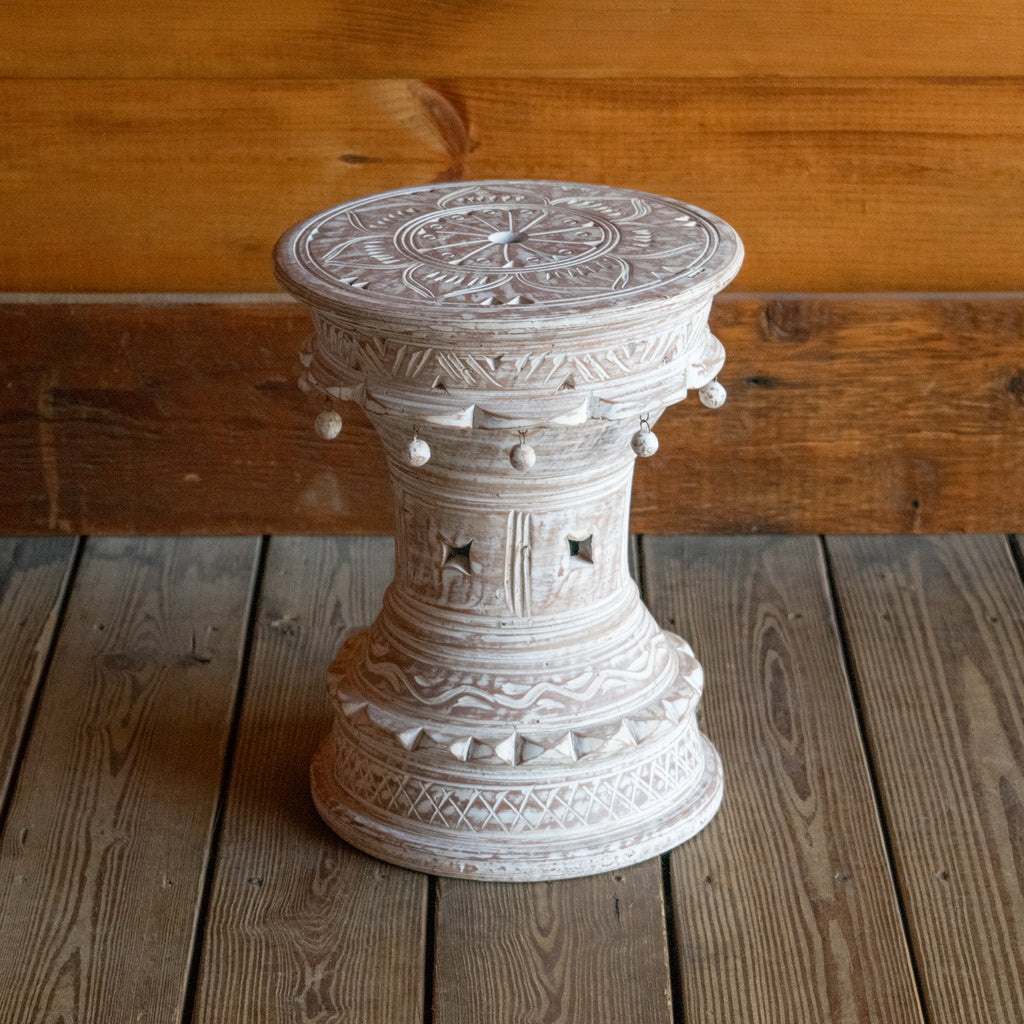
{"x":509,"y":244}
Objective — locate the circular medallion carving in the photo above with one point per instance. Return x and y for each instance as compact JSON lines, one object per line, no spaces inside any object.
{"x":500,"y":240}
{"x":488,"y":245}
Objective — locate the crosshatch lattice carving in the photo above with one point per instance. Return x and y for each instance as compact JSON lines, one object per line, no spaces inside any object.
{"x":514,"y":712}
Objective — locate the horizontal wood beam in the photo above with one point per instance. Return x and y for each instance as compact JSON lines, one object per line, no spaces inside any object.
{"x":834,"y":184}
{"x":427,"y":38}
{"x":847,"y":414}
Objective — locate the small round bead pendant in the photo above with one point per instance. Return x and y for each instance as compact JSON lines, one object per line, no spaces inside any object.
{"x":328,"y":424}
{"x":522,"y":456}
{"x":645,"y":442}
{"x":418,"y":452}
{"x":713,"y":395}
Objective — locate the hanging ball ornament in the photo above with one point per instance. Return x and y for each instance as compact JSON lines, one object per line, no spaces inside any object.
{"x":418,"y":452}
{"x":645,"y":441}
{"x":713,"y":395}
{"x":328,"y":425}
{"x":522,"y":455}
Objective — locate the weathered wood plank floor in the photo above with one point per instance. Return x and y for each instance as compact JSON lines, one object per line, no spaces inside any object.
{"x":161,"y":860}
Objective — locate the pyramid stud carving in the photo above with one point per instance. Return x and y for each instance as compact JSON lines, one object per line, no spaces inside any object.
{"x":410,"y":739}
{"x":627,"y":733}
{"x":570,"y":745}
{"x":676,"y":707}
{"x":463,"y":748}
{"x":510,"y":750}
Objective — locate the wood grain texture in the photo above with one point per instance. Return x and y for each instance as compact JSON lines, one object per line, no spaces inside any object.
{"x":844,"y":185}
{"x":361,"y":38}
{"x":565,"y":952}
{"x":785,"y":906}
{"x":185,"y":185}
{"x":936,"y":633}
{"x":104,"y":849}
{"x":852,"y":415}
{"x":835,"y":185}
{"x":33,"y":579}
{"x":301,"y":927}
{"x":155,"y":397}
{"x":857,"y":414}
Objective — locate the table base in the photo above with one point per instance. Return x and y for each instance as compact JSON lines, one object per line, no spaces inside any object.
{"x":567,"y":814}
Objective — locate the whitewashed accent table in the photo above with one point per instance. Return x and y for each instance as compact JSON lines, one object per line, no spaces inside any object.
{"x":514,"y":713}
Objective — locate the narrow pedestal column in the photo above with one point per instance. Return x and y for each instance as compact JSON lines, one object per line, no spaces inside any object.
{"x":514,"y":712}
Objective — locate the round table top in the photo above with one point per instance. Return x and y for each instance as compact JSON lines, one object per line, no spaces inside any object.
{"x":480,"y":254}
{"x":509,"y":303}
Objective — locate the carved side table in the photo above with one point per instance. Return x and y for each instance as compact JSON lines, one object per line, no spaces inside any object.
{"x":514,"y":713}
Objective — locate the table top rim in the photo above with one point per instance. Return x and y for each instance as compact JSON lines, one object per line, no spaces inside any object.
{"x":398,"y":255}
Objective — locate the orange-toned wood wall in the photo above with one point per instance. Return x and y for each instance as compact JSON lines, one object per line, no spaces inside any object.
{"x":862,"y":145}
{"x":858,"y":147}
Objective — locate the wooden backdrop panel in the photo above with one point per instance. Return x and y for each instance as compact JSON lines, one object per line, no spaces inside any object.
{"x":834,"y":185}
{"x":424,"y":38}
{"x":846,"y":415}
{"x":185,"y":185}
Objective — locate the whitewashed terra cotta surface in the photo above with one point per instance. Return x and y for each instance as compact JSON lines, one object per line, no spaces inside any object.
{"x":514,"y":713}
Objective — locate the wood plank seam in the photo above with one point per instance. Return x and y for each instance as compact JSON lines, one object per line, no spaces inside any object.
{"x":429,"y":946}
{"x":47,"y":640}
{"x":638,"y":564}
{"x":675,"y":971}
{"x":1016,"y":542}
{"x":639,"y":567}
{"x":845,"y":651}
{"x":199,"y":928}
